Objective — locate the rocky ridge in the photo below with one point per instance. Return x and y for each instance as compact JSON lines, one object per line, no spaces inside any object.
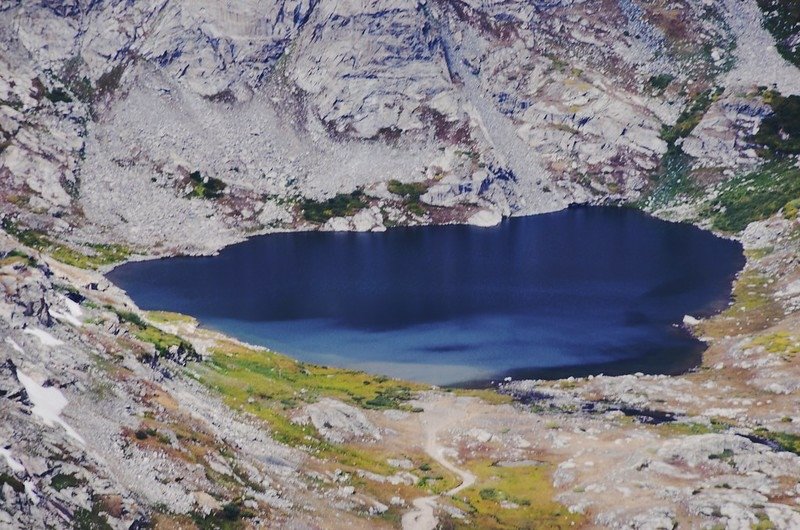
{"x":160,"y":128}
{"x":513,"y":108}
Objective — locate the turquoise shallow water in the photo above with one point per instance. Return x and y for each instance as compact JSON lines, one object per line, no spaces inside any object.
{"x":585,"y":290}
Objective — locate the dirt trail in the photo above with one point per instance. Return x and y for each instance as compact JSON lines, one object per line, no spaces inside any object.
{"x":438,"y":416}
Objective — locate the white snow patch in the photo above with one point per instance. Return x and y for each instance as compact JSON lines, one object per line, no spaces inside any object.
{"x":64,"y":317}
{"x":14,"y":464}
{"x":14,"y":345}
{"x":48,"y":402}
{"x":44,"y":337}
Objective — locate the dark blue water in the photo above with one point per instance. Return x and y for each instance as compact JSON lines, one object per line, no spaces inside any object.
{"x":582,"y":291}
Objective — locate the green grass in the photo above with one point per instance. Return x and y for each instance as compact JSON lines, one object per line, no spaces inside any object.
{"x":343,"y":204}
{"x":206,"y":187}
{"x":754,"y":196}
{"x":692,"y":428}
{"x":168,"y":317}
{"x":791,"y":209}
{"x":411,"y":191}
{"x":272,"y":387}
{"x":245,"y":372}
{"x":786,"y":441}
{"x":754,"y":308}
{"x":782,"y":19}
{"x":161,"y":340}
{"x":780,"y":342}
{"x":673,"y":179}
{"x":100,"y":254}
{"x":774,"y":186}
{"x":529,"y":487}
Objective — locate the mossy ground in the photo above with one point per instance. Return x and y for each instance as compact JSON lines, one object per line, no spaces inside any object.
{"x":273,"y":387}
{"x":786,"y":441}
{"x":98,"y":255}
{"x":168,"y":317}
{"x":780,"y":342}
{"x":693,"y":428}
{"x":512,"y":498}
{"x":411,"y":193}
{"x":754,"y":308}
{"x":146,"y":332}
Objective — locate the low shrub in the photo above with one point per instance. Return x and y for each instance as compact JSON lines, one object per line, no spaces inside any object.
{"x":341,"y":205}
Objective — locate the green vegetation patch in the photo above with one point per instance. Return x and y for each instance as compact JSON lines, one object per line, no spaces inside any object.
{"x":763,"y":523}
{"x":754,"y":308}
{"x":206,"y":187}
{"x":780,"y":131}
{"x":58,"y":95}
{"x":513,"y":498}
{"x":661,"y":81}
{"x":782,"y":20}
{"x":272,"y":387}
{"x":791,"y":209}
{"x":342,"y":205}
{"x":232,"y":516}
{"x":162,"y":340}
{"x":690,"y":117}
{"x":168,"y":317}
{"x":17,"y":256}
{"x":784,"y":440}
{"x":780,"y":343}
{"x":145,"y":433}
{"x":101,"y":254}
{"x":10,"y":480}
{"x":62,"y":481}
{"x":90,"y":519}
{"x":693,"y":428}
{"x":275,"y":378}
{"x":755,"y":196}
{"x":410,"y":192}
{"x":773,"y":187}
{"x":78,"y":84}
{"x":673,"y":180}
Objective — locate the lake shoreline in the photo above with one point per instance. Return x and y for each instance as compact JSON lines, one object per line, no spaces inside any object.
{"x":550,"y":227}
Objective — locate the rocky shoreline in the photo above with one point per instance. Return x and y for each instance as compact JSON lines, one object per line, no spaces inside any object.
{"x":179,"y":128}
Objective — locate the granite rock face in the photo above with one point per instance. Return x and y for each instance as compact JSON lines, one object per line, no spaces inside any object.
{"x":180,"y":127}
{"x":514,"y":107}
